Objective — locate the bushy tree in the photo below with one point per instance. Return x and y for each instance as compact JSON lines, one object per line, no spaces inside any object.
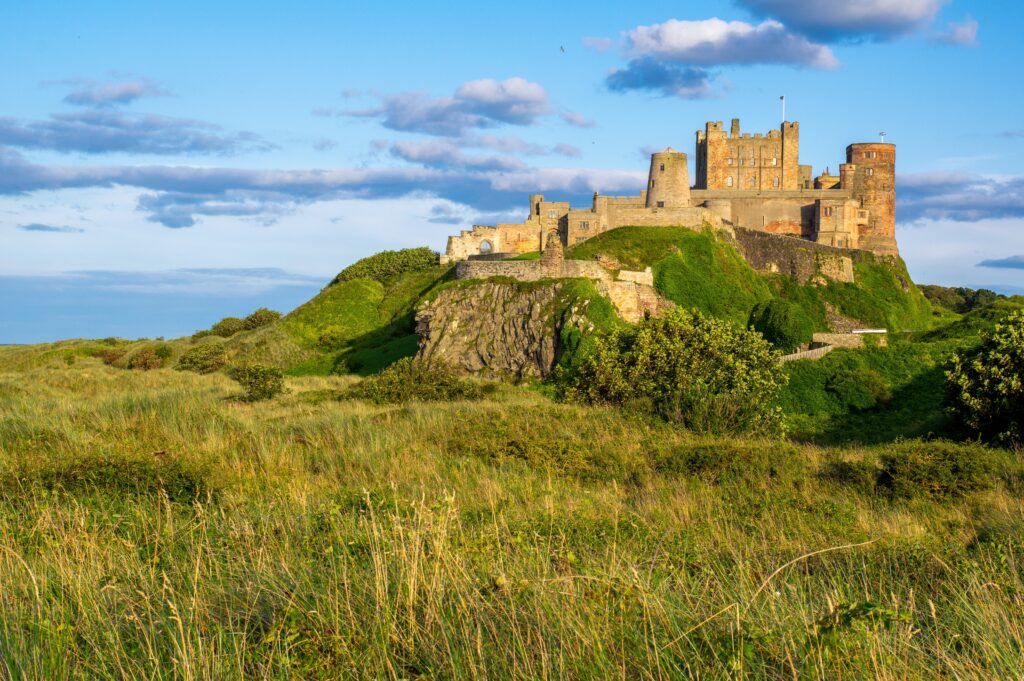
{"x":388,"y":264}
{"x":702,"y":373}
{"x":261,"y":382}
{"x":782,"y":323}
{"x":145,"y":359}
{"x":411,"y":379}
{"x":986,"y":386}
{"x":261,"y":317}
{"x":228,"y":327}
{"x":202,"y":359}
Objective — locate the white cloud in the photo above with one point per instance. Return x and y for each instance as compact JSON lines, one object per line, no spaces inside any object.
{"x":836,"y":19}
{"x":964,"y":33}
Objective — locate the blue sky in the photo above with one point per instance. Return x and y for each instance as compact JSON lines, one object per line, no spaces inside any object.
{"x":166,"y":164}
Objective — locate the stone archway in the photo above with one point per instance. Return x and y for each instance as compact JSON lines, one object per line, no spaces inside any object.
{"x":486,"y":247}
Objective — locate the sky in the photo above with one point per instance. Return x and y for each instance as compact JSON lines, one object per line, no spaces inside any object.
{"x":166,"y":164}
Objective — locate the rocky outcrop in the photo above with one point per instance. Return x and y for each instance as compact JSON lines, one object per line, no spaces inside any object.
{"x":499,"y":329}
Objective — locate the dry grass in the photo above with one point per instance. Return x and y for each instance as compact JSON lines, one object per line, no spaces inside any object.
{"x":152,"y":527}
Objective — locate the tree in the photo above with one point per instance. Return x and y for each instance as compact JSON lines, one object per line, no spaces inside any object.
{"x":702,"y":373}
{"x":782,"y":323}
{"x":985,"y":388}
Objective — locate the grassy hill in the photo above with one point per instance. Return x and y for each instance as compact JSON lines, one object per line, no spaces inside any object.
{"x":150,"y":525}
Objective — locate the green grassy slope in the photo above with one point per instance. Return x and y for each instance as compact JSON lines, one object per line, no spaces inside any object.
{"x":698,"y":269}
{"x":152,"y":527}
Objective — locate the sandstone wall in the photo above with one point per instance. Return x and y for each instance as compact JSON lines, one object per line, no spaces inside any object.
{"x":803,"y":260}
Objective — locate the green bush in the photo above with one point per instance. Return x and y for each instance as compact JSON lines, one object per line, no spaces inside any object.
{"x":388,"y":264}
{"x":958,"y":299}
{"x":145,"y":359}
{"x":228,"y":327}
{"x":111,"y":355}
{"x":985,"y":388}
{"x":704,"y":374}
{"x":859,"y":388}
{"x":409,"y":379}
{"x":202,"y":359}
{"x":782,"y":323}
{"x":938,"y":470}
{"x":260,"y":382}
{"x":261,"y":317}
{"x":164,"y":351}
{"x":201,"y":334}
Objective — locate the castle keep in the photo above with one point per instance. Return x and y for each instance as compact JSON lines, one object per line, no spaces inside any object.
{"x":742,"y":180}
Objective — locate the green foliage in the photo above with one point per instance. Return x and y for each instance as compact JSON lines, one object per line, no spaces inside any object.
{"x":986,"y":386}
{"x":202,"y":359}
{"x":145,"y":360}
{"x":338,"y":314}
{"x":702,"y":373}
{"x":782,"y":323}
{"x":882,"y":296}
{"x":228,"y":327}
{"x":532,"y":255}
{"x":938,"y":469}
{"x":410,"y":380}
{"x":959,"y":299}
{"x":261,"y":317}
{"x":388,"y":264}
{"x":259,"y":381}
{"x":164,"y":351}
{"x":858,"y":388}
{"x":977,"y":321}
{"x":112,"y":355}
{"x":203,"y":333}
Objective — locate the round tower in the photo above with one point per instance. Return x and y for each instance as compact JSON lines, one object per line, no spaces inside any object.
{"x":874,"y":184}
{"x":668,"y":184}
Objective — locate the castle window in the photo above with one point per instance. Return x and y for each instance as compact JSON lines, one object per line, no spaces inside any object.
{"x":775,"y":182}
{"x":728,"y":161}
{"x":728,"y":181}
{"x":485,"y":247}
{"x":775,"y":161}
{"x":584,"y":225}
{"x":552,"y":213}
{"x":869,"y":171}
{"x":753,"y":180}
{"x":827,"y":211}
{"x":661,"y":204}
{"x":662,"y":167}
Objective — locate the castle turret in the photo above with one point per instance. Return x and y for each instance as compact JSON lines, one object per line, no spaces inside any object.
{"x":870,"y":176}
{"x":668,"y":183}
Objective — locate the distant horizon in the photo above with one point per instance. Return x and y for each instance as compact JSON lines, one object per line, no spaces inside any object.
{"x":144,"y":186}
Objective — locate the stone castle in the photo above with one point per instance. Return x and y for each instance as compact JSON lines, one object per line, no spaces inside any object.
{"x":755,"y":182}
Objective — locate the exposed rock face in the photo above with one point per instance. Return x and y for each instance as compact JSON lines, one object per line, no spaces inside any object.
{"x":497,"y":329}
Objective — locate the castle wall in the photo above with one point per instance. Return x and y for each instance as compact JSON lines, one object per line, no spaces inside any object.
{"x":743,"y":162}
{"x":778,"y":212}
{"x":871,"y":179}
{"x":803,"y":260}
{"x":668,"y":182}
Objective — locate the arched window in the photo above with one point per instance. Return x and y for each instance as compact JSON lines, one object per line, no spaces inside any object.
{"x":753,"y":182}
{"x":775,"y":182}
{"x":486,"y":247}
{"x":728,"y":181}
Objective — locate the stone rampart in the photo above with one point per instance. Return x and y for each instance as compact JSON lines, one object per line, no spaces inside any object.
{"x":798,"y":258}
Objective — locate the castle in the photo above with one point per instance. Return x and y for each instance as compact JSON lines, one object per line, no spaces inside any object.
{"x":753,"y":182}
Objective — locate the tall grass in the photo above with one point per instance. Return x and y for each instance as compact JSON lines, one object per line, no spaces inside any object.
{"x":510,"y":537}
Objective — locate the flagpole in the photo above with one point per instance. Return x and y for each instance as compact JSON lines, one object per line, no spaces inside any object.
{"x":783,"y":98}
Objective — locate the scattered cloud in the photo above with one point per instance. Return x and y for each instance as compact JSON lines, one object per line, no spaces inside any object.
{"x":476,"y":104}
{"x":959,"y":197}
{"x":446,"y":153}
{"x":675,"y":58}
{"x":656,"y":76}
{"x":94,"y":94}
{"x":39,"y":227}
{"x":964,"y":33}
{"x":98,"y":131}
{"x":835,"y":20}
{"x":576,"y":119}
{"x":567,"y":150}
{"x":1014,"y":262}
{"x":178,"y":195}
{"x":714,"y":42}
{"x":598,"y":44}
{"x":324,"y":144}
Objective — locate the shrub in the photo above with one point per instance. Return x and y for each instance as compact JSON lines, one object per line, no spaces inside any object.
{"x":859,"y":388}
{"x":261,"y":317}
{"x":111,"y":355}
{"x":410,"y":379}
{"x":985,"y":388}
{"x":938,"y":470}
{"x":388,"y":264}
{"x":202,"y":359}
{"x":228,"y":327}
{"x":164,"y":351}
{"x":145,"y":359}
{"x":782,"y":323}
{"x":702,"y":373}
{"x":201,"y":334}
{"x":261,"y":382}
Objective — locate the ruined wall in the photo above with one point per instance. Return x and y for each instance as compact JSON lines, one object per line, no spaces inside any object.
{"x":529,"y":270}
{"x":797,"y":258}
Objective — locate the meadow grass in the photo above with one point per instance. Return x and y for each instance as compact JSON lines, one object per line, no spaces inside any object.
{"x":152,"y":526}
